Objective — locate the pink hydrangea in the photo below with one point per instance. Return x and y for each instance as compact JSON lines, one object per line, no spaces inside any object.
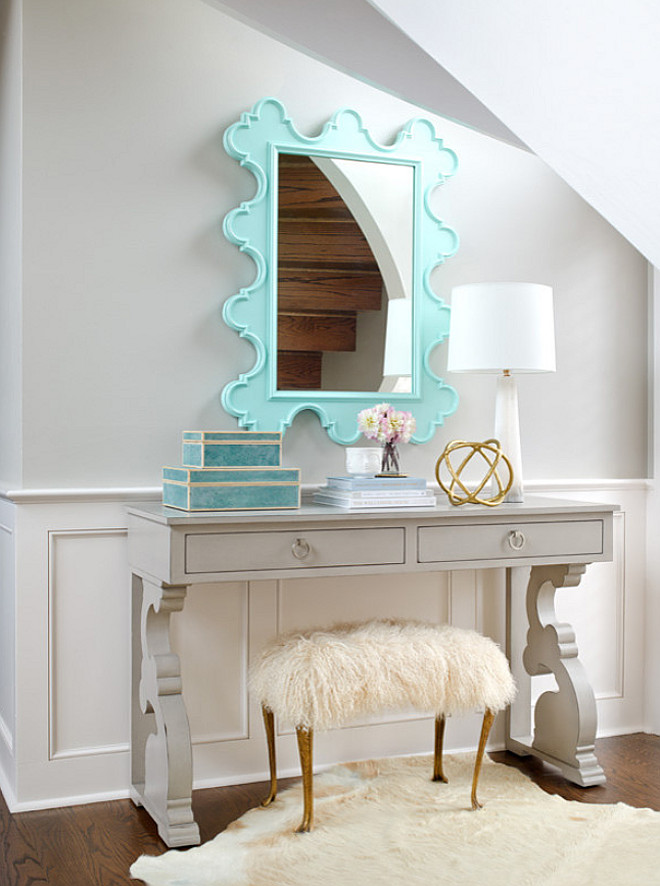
{"x":386,"y":424}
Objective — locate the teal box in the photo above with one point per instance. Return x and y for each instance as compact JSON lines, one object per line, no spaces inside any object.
{"x":219,"y":449}
{"x":209,"y":489}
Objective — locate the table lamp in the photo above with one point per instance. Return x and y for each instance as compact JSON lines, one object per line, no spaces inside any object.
{"x":503,"y":328}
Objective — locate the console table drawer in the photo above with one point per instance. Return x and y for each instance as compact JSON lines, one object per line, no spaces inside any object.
{"x":506,"y":541}
{"x":303,"y":549}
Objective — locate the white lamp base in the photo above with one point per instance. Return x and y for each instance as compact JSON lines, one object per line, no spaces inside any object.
{"x":507,"y":431}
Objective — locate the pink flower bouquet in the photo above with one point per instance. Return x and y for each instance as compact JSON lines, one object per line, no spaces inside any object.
{"x":389,"y":426}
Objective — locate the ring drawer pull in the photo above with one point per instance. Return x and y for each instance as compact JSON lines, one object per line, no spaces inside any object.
{"x":516,"y":539}
{"x":300,"y":549}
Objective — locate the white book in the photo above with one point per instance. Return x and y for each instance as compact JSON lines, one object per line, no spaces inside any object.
{"x":376,"y":493}
{"x":368,"y":484}
{"x":391,"y":497}
{"x":349,"y":503}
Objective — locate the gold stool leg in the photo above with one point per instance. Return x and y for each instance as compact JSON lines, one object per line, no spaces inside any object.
{"x":269,"y":723}
{"x":489,"y":716}
{"x":305,"y":748}
{"x":438,"y":773}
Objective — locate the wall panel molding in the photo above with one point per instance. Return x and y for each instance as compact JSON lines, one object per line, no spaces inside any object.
{"x":92,"y":751}
{"x":220,"y":666}
{"x":619,"y":564}
{"x":55,"y":594}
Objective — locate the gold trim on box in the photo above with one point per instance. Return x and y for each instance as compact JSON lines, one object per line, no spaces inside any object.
{"x":234,"y":483}
{"x":236,"y":508}
{"x":232,"y":442}
{"x":239,"y":434}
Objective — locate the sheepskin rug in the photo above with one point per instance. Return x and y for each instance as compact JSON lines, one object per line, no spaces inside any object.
{"x":325,"y":678}
{"x":384,"y":823}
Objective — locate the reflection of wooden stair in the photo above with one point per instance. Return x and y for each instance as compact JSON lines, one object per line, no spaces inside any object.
{"x":326,"y":274}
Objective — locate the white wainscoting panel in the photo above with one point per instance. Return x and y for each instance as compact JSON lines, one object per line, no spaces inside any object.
{"x":607,"y":610}
{"x":597,"y":612}
{"x":88,"y":646}
{"x":315,"y":602}
{"x":464,"y":600}
{"x":211,"y":637}
{"x":7,"y":627}
{"x":72,"y":645}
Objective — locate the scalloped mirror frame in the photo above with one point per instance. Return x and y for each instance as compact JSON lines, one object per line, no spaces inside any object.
{"x":255,"y":141}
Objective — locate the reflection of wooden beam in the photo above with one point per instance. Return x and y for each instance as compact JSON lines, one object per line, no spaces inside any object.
{"x":313,"y":289}
{"x":298,"y":370}
{"x":316,"y":332}
{"x":304,"y":190}
{"x":332,"y":243}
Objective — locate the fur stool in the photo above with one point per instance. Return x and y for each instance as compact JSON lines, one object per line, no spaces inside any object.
{"x":325,"y":678}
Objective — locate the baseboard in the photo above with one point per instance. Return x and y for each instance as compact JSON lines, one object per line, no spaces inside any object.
{"x":294,"y":771}
{"x":615,"y":730}
{"x":60,"y":802}
{"x":7,"y":791}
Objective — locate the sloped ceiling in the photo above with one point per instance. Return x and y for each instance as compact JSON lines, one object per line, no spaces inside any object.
{"x":577,"y":83}
{"x":355,"y":38}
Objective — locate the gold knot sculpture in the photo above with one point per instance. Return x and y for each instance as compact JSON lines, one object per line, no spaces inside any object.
{"x":457,"y":492}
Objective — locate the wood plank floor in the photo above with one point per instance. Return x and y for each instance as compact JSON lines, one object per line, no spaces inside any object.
{"x":94,"y":845}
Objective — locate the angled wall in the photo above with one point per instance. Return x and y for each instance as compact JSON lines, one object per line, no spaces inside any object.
{"x":576,"y":82}
{"x":10,"y":240}
{"x":125,"y":269}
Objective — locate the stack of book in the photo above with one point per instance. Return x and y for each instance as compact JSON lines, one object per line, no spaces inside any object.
{"x":357,"y":493}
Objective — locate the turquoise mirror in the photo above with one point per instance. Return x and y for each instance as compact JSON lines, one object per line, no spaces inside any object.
{"x":340,"y":312}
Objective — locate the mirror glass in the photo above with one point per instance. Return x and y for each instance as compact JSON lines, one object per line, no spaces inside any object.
{"x":344,"y":274}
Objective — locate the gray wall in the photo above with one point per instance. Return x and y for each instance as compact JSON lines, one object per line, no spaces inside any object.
{"x":10,"y":241}
{"x":125,"y":185}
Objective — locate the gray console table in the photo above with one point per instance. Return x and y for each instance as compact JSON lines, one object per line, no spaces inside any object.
{"x":544,"y":544}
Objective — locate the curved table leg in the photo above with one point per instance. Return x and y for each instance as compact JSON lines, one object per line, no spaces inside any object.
{"x":161,"y":752}
{"x":565,"y":720}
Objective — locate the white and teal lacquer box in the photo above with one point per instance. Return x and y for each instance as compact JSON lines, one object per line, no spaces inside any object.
{"x":215,"y":449}
{"x":231,"y":470}
{"x":217,"y":489}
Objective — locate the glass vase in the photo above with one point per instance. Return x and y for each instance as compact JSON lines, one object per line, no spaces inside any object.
{"x":389,"y":463}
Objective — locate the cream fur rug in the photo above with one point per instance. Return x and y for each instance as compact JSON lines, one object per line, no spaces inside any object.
{"x":384,"y":823}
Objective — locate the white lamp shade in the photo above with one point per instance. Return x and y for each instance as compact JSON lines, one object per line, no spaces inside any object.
{"x":498,"y":326}
{"x":398,"y":338}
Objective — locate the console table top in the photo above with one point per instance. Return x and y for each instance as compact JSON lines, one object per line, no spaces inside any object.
{"x":532,"y":506}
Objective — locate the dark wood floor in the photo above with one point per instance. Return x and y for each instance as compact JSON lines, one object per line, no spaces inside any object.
{"x":94,"y":845}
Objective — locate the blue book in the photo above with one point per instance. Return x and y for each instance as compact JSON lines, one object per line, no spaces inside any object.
{"x":373,"y":483}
